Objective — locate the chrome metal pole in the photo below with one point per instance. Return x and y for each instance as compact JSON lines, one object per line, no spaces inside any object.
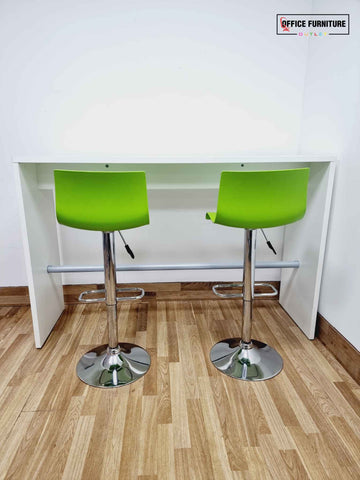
{"x":175,"y":266}
{"x":244,"y":358}
{"x":114,"y":364}
{"x":248,"y":283}
{"x":110,"y":287}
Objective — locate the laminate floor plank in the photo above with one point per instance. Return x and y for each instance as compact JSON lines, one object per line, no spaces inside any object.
{"x":184,"y":420}
{"x":165,"y":454}
{"x":58,"y":453}
{"x":231,"y":428}
{"x":212,"y":426}
{"x":9,"y":448}
{"x":80,"y":444}
{"x":163,"y":390}
{"x":40,"y":436}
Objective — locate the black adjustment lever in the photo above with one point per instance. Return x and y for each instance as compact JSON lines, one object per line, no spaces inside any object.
{"x":268,"y":243}
{"x":127,"y":248}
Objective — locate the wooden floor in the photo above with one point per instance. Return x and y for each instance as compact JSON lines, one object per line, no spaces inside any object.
{"x":184,"y":420}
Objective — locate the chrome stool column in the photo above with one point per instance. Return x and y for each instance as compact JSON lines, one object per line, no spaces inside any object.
{"x":254,"y":200}
{"x":245,"y":358}
{"x":117,"y":363}
{"x":106,"y":201}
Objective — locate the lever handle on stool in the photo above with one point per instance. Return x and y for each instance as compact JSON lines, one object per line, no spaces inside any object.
{"x":130,"y":252}
{"x":127,"y":248}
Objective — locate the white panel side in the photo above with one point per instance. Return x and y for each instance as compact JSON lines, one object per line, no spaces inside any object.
{"x":41,"y":248}
{"x":305,"y":240}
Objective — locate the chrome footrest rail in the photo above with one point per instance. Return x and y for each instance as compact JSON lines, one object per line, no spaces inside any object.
{"x":269,"y":294}
{"x":227,"y":285}
{"x":91,"y":300}
{"x":240,"y":285}
{"x":102,"y":299}
{"x":131,"y":289}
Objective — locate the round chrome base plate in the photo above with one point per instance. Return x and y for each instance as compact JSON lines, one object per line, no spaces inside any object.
{"x":254,"y":361}
{"x":113,"y":367}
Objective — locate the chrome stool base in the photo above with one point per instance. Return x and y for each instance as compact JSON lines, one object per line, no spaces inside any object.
{"x":107,"y":367}
{"x":246,"y":361}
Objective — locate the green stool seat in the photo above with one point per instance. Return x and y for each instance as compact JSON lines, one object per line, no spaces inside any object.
{"x":253,"y":200}
{"x":106,"y":201}
{"x":261,"y":199}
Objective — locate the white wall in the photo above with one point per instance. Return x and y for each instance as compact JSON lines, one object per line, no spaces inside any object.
{"x":144,"y":77}
{"x":331,"y":123}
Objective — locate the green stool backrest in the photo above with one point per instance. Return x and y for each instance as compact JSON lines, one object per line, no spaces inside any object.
{"x":105,"y":201}
{"x":262,"y":199}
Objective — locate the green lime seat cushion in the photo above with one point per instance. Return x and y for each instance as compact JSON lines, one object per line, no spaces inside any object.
{"x":261,"y":199}
{"x":104,"y":201}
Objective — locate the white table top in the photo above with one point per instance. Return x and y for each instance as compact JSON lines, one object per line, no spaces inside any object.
{"x":169,"y":159}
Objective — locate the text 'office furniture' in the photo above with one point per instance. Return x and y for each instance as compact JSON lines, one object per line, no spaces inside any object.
{"x":254,"y":200}
{"x":106,"y":202}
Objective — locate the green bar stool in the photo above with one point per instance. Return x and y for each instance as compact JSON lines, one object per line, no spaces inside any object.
{"x":106,"y":202}
{"x":253,"y":200}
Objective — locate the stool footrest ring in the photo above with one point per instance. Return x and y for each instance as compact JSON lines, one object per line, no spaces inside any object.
{"x":91,"y":300}
{"x":227,"y":285}
{"x":102,"y":299}
{"x":131,"y":289}
{"x":240,"y":295}
{"x":269,"y":294}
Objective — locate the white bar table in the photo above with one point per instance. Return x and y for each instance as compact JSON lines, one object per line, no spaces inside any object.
{"x":304,"y":240}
